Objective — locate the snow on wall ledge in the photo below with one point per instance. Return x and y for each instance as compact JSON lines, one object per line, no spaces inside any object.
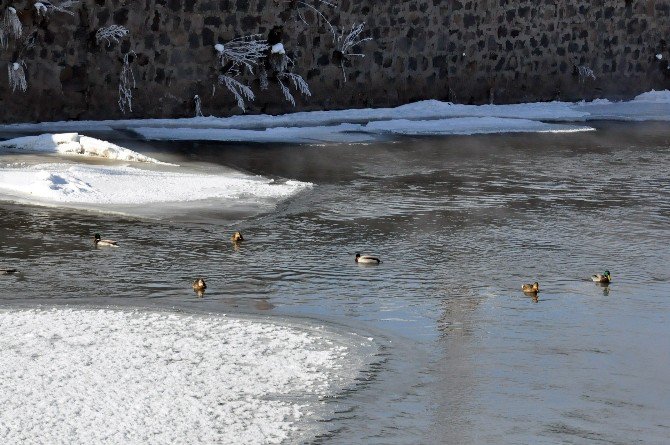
{"x":118,"y":377}
{"x":465,"y":52}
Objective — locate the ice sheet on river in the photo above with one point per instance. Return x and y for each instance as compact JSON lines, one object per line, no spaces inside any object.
{"x":104,"y":376}
{"x":342,"y":125}
{"x":72,"y":144}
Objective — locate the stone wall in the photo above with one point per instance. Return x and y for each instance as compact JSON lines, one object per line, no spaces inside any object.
{"x":483,"y":51}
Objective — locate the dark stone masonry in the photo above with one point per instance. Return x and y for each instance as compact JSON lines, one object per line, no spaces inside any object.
{"x":498,"y":51}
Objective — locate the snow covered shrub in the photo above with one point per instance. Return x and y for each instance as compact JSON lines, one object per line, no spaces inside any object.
{"x":346,"y":44}
{"x":242,"y":52}
{"x":17,"y":76}
{"x":236,"y":57}
{"x":10,"y":26}
{"x":110,"y":34}
{"x":277,"y":67}
{"x":198,"y":106}
{"x":585,"y":73}
{"x":126,"y":84}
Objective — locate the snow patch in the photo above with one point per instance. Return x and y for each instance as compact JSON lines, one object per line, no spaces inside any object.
{"x":73,"y":144}
{"x":124,"y":185}
{"x":103,"y":376}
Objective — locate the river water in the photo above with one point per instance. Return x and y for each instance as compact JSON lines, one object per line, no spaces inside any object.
{"x":461,"y":223}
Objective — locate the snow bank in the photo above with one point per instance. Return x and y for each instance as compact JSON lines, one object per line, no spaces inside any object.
{"x":470,"y":125}
{"x":123,"y":185}
{"x":102,"y":376}
{"x":72,"y":144}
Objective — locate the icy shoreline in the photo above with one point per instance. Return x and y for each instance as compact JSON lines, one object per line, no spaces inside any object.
{"x":100,"y":375}
{"x":361,"y":125}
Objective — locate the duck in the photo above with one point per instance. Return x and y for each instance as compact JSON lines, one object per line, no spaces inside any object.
{"x":237,"y":237}
{"x":7,"y":271}
{"x":199,"y":286}
{"x":602,"y":278}
{"x":103,"y":242}
{"x":531,"y":288}
{"x":367,"y":259}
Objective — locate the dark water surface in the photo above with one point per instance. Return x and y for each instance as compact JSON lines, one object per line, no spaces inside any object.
{"x":461,"y":223}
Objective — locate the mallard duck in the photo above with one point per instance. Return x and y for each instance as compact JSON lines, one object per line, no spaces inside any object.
{"x":367,"y":259}
{"x":103,"y":242}
{"x":199,"y":286}
{"x":237,"y":237}
{"x":7,"y":271}
{"x":604,"y":278}
{"x":531,"y":288}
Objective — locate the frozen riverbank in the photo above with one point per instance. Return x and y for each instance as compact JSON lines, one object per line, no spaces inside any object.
{"x":354,"y":125}
{"x":91,"y":376}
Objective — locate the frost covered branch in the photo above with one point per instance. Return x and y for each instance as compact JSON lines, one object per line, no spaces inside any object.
{"x":239,"y":90}
{"x":17,"y":76}
{"x":45,"y":6}
{"x":242,"y":52}
{"x":111,"y":34}
{"x":126,"y":84}
{"x":10,"y":26}
{"x":296,"y":4}
{"x":347,"y":43}
{"x":298,"y":82}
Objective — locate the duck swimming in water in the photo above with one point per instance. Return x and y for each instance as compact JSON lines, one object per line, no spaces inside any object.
{"x":103,"y":242}
{"x":237,"y":237}
{"x":367,"y":259}
{"x":199,"y":287}
{"x":531,"y":288}
{"x":602,"y":278}
{"x":7,"y":271}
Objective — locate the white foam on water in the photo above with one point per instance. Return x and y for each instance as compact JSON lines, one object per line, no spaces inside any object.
{"x":107,"y":376}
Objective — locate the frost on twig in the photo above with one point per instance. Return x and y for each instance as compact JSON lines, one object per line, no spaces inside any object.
{"x":126,"y":84}
{"x":111,"y":34}
{"x":298,"y":82}
{"x":17,"y":76}
{"x":45,"y":6}
{"x":10,"y":26}
{"x":239,"y":90}
{"x":242,"y":52}
{"x":299,"y":5}
{"x":585,"y":72}
{"x":198,"y":106}
{"x":346,"y":44}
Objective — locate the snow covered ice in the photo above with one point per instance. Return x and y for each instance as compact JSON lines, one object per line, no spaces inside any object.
{"x":72,"y":144}
{"x":125,"y":185}
{"x":111,"y":376}
{"x":115,"y":185}
{"x":355,"y":125}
